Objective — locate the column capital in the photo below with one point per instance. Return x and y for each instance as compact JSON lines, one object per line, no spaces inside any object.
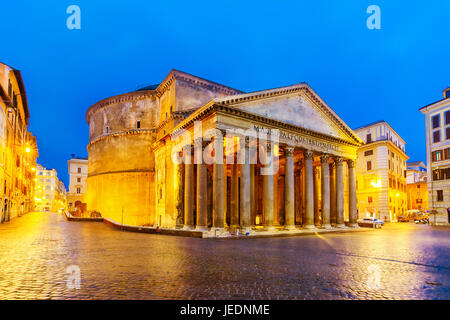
{"x":222,"y":135}
{"x":338,"y":161}
{"x":324,"y":159}
{"x":308,"y":154}
{"x":246,"y":140}
{"x":289,"y":151}
{"x":351,"y":163}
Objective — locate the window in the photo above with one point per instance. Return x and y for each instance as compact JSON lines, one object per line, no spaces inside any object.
{"x":78,"y":190}
{"x":418,"y":200}
{"x":368,"y":153}
{"x":369,"y":199}
{"x":107,"y":129}
{"x":436,"y":155}
{"x":440,"y":195}
{"x":436,"y":136}
{"x":369,"y":165}
{"x":369,"y":138}
{"x":138,"y":124}
{"x":447,"y":115}
{"x":435,"y":121}
{"x":78,"y":179}
{"x":447,"y":133}
{"x":79,"y":170}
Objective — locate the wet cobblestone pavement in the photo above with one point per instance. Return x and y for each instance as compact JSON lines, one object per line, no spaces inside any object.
{"x":401,"y":261}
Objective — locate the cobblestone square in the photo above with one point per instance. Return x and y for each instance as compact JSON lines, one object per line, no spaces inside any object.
{"x":401,"y":261}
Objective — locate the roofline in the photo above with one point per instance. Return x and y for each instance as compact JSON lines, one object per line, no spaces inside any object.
{"x":378,"y":122}
{"x":370,"y":124}
{"x":23,"y":94}
{"x":159,"y":90}
{"x":434,"y":104}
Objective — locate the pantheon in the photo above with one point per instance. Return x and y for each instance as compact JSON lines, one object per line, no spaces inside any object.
{"x":134,"y":180}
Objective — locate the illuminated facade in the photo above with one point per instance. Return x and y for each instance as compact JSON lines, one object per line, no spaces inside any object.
{"x":142,"y":170}
{"x":18,"y":147}
{"x":50,"y":193}
{"x":416,"y":186}
{"x":76,"y":196}
{"x":381,"y":172}
{"x":437,"y":133}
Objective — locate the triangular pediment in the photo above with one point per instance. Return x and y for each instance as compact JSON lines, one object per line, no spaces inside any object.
{"x":295,"y":105}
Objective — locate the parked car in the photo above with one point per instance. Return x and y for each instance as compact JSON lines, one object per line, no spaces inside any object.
{"x":421,"y":217}
{"x":371,"y":223}
{"x":403,"y":219}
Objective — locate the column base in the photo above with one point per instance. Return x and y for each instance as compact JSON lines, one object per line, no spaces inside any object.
{"x":309,"y":226}
{"x":340,"y":226}
{"x":201,"y":228}
{"x":246,"y":230}
{"x":187,"y":227}
{"x":217,"y":231}
{"x":354,"y":226}
{"x":326,"y":226}
{"x":269,"y":228}
{"x":234,"y":229}
{"x":290,"y":228}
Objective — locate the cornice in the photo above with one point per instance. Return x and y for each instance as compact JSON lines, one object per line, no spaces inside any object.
{"x":145,"y":170}
{"x":121,"y":133}
{"x":125,"y":97}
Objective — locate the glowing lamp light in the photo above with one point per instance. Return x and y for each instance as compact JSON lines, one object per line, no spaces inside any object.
{"x":376,"y":184}
{"x":27,"y":149}
{"x":397,"y":195}
{"x":33,"y":169}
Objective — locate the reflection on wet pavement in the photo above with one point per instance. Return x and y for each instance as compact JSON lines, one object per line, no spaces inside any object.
{"x":401,"y":261}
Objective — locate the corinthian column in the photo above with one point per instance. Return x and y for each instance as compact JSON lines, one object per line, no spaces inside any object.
{"x":188,"y":189}
{"x":325,"y":191}
{"x":202,"y":190}
{"x":234,"y":217}
{"x":339,"y":194}
{"x":332,"y":195}
{"x":179,"y":193}
{"x":352,"y":194}
{"x":289,"y":194}
{"x":309,"y":190}
{"x":218,"y":185}
{"x":268,"y":198}
{"x":245,"y":189}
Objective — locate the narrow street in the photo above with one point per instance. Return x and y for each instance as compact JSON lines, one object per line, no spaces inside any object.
{"x":405,"y":261}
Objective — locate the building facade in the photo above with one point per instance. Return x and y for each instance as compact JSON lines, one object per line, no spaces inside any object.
{"x":50,"y":191}
{"x":437,"y":135}
{"x":416,"y":186}
{"x":190,"y":153}
{"x":381,"y":172}
{"x":76,"y":196}
{"x":18,"y":147}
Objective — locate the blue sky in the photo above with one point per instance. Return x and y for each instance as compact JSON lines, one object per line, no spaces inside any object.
{"x":364,"y":75}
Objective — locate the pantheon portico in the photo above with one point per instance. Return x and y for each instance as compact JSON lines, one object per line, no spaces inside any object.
{"x":212,"y":159}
